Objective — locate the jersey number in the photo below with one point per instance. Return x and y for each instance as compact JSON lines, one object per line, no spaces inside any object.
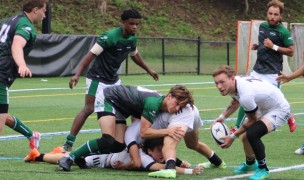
{"x":3,"y":33}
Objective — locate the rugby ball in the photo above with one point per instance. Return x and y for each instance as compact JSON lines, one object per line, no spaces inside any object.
{"x":219,"y":130}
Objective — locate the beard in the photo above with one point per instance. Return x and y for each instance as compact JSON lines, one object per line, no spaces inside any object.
{"x":273,"y":23}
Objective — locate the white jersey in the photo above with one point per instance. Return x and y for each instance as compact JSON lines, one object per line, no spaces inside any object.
{"x":253,"y":93}
{"x":186,"y":116}
{"x":268,"y":100}
{"x":110,"y":160}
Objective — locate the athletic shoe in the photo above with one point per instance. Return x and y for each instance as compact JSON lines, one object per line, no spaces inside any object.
{"x":57,"y":150}
{"x":244,"y":168}
{"x":292,"y":123}
{"x":65,"y":163}
{"x":232,"y":130}
{"x":165,"y":173}
{"x":208,"y":165}
{"x":35,"y":140}
{"x":31,"y":157}
{"x":67,"y":148}
{"x":300,"y":151}
{"x":260,"y":174}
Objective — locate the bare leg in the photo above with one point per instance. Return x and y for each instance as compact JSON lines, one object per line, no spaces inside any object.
{"x":81,"y":117}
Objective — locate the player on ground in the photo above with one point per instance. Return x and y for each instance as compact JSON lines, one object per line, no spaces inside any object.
{"x":17,"y":37}
{"x":110,"y":50}
{"x":150,"y":154}
{"x":119,"y":102}
{"x":266,"y":109}
{"x":189,"y":121}
{"x":274,"y":41}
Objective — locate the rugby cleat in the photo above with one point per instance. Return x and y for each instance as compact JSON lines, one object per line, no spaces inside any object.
{"x":35,"y":140}
{"x":165,"y":173}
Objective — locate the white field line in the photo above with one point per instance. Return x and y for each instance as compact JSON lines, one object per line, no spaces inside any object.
{"x":148,"y":85}
{"x":271,"y":171}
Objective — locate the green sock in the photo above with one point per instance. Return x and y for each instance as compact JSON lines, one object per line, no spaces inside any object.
{"x":22,"y":128}
{"x":241,"y":117}
{"x":70,"y":139}
{"x":87,"y":148}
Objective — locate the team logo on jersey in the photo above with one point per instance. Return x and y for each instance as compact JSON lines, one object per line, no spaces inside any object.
{"x":104,"y":37}
{"x":27,"y":29}
{"x":272,"y":34}
{"x":274,"y":116}
{"x":153,"y":113}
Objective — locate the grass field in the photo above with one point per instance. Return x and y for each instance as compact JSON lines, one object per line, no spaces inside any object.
{"x":47,"y":105}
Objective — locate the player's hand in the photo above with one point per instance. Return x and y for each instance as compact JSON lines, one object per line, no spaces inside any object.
{"x":73,"y":81}
{"x":153,"y":74}
{"x":227,"y":142}
{"x":198,"y":170}
{"x":176,"y":132}
{"x":24,"y":71}
{"x":283,"y":78}
{"x":268,"y":43}
{"x":254,"y":47}
{"x":216,"y":120}
{"x":185,"y":164}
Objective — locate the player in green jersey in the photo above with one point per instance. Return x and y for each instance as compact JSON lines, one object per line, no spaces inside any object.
{"x":110,"y":50}
{"x":17,"y":37}
{"x":274,"y":42}
{"x":118,"y":103}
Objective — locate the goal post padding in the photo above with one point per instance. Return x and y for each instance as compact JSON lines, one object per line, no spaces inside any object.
{"x":297,"y":32}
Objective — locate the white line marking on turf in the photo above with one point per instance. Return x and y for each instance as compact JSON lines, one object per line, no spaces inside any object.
{"x":14,"y":137}
{"x":147,"y":85}
{"x":271,"y":171}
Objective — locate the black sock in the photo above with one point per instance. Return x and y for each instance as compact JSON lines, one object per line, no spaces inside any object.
{"x":250,"y":160}
{"x":40,"y":158}
{"x":170,"y":164}
{"x":215,"y":160}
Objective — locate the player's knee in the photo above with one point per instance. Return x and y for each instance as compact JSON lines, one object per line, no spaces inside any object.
{"x":192,"y":145}
{"x":118,"y":147}
{"x":88,"y":110}
{"x":106,"y":141}
{"x":256,"y":131}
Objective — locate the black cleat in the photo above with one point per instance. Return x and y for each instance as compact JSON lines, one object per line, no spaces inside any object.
{"x":65,"y":163}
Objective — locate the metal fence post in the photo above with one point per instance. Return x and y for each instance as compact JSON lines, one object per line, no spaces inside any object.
{"x":198,"y":55}
{"x":163,"y":55}
{"x":228,"y":56}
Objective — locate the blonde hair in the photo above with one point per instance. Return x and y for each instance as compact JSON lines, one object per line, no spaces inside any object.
{"x":276,"y":3}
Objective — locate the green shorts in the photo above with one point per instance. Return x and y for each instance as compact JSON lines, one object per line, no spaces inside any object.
{"x":4,"y":96}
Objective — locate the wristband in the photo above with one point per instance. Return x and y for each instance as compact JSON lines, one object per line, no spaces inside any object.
{"x":233,"y":136}
{"x":188,"y":171}
{"x":275,"y":47}
{"x":222,"y":117}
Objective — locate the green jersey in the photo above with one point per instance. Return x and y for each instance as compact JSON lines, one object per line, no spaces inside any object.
{"x":270,"y":61}
{"x":16,"y":25}
{"x":115,"y":50}
{"x":134,"y":100}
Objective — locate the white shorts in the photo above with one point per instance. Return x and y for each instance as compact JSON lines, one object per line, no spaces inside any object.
{"x":270,"y":78}
{"x":97,"y":89}
{"x":278,"y":118}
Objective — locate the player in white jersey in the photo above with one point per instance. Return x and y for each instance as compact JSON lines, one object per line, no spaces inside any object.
{"x":266,"y":109}
{"x":188,"y":117}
